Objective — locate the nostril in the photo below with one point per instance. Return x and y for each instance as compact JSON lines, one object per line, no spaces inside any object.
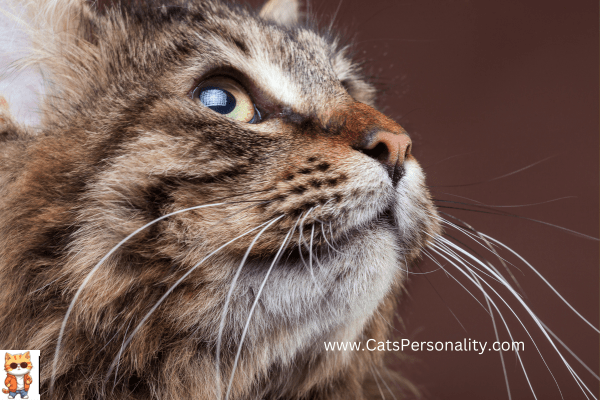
{"x":380,"y":152}
{"x":390,"y":149}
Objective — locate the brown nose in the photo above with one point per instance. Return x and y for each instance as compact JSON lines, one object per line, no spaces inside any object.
{"x":390,"y":149}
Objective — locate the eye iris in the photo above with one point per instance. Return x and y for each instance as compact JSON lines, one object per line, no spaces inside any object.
{"x":217,"y":99}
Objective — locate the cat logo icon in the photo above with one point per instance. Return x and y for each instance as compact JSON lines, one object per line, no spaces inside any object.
{"x":18,"y":365}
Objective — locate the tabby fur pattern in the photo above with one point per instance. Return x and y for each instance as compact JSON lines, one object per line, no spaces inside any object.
{"x":119,"y":143}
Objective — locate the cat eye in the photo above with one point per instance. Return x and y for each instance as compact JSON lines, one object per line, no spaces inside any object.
{"x":227,"y":97}
{"x":15,"y":365}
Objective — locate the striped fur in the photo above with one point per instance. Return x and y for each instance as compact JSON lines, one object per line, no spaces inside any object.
{"x":120,"y":143}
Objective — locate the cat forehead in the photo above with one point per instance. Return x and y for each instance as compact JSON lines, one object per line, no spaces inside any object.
{"x":295,"y":67}
{"x":9,"y":356}
{"x":295,"y":71}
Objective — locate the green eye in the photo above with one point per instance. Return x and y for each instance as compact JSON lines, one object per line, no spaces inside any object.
{"x":228,"y":98}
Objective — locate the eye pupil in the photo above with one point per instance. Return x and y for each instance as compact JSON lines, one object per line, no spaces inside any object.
{"x":14,"y":365}
{"x":217,"y":99}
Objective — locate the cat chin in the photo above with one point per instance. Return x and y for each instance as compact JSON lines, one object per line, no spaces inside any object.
{"x":332,"y":299}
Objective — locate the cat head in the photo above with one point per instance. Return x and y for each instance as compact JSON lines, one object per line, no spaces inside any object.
{"x":188,"y":151}
{"x":17,"y":364}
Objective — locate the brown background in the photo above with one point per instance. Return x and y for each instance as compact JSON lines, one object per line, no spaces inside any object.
{"x":497,"y":85}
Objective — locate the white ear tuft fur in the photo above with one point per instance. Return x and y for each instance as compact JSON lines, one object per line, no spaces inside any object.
{"x":21,"y":87}
{"x":283,"y":12}
{"x":32,"y":33}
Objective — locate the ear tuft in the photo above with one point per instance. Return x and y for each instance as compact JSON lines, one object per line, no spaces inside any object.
{"x":283,"y":12}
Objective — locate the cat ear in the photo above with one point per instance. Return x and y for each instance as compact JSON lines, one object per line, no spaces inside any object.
{"x":7,"y":357}
{"x":283,"y":12}
{"x":27,"y":355}
{"x":35,"y":35}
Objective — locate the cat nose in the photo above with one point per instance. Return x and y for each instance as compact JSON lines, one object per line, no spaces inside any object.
{"x":390,"y":149}
{"x":375,"y":135}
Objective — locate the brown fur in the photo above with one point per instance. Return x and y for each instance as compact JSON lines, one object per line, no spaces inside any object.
{"x":121,"y":143}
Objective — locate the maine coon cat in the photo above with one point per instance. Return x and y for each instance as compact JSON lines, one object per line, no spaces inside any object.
{"x":208,"y":196}
{"x":18,"y":380}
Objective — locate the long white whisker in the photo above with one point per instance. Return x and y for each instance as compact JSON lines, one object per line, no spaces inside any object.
{"x":543,"y":279}
{"x":329,"y":243}
{"x":377,"y":382}
{"x":96,"y":267}
{"x":500,"y":314}
{"x":456,"y":280}
{"x":168,"y":292}
{"x":538,"y":322}
{"x":301,"y":236}
{"x":491,"y":312}
{"x":119,"y":356}
{"x":584,"y":365}
{"x":264,"y":282}
{"x":384,"y":382}
{"x":302,"y":242}
{"x":488,"y":246}
{"x":447,"y":306}
{"x":228,"y":299}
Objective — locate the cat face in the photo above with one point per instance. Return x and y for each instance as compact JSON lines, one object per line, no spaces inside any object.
{"x":17,"y":364}
{"x":137,"y":142}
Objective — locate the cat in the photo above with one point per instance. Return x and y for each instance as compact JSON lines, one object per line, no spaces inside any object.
{"x":205,"y":197}
{"x":18,"y":380}
{"x":248,"y":145}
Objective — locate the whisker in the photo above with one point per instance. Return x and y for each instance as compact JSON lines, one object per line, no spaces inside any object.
{"x":264,"y":282}
{"x":541,"y":326}
{"x":327,"y":241}
{"x":438,"y":293}
{"x":448,"y":158}
{"x":168,"y":292}
{"x":337,"y":10}
{"x":97,"y":266}
{"x":119,"y":356}
{"x":502,"y":213}
{"x":483,"y":236}
{"x":536,"y":320}
{"x":501,"y":176}
{"x":491,"y":313}
{"x":480,"y":204}
{"x":302,"y":242}
{"x":377,"y":382}
{"x":384,"y":382}
{"x":237,"y":212}
{"x":496,"y":276}
{"x":456,"y":280}
{"x":543,"y":279}
{"x":228,"y":299}
{"x":301,"y":237}
{"x":584,"y":365}
{"x":503,"y":320}
{"x":488,"y":246}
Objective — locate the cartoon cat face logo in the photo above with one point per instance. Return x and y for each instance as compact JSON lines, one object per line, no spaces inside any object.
{"x":17,"y":369}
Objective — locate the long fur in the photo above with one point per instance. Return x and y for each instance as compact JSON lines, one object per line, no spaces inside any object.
{"x":120,"y":144}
